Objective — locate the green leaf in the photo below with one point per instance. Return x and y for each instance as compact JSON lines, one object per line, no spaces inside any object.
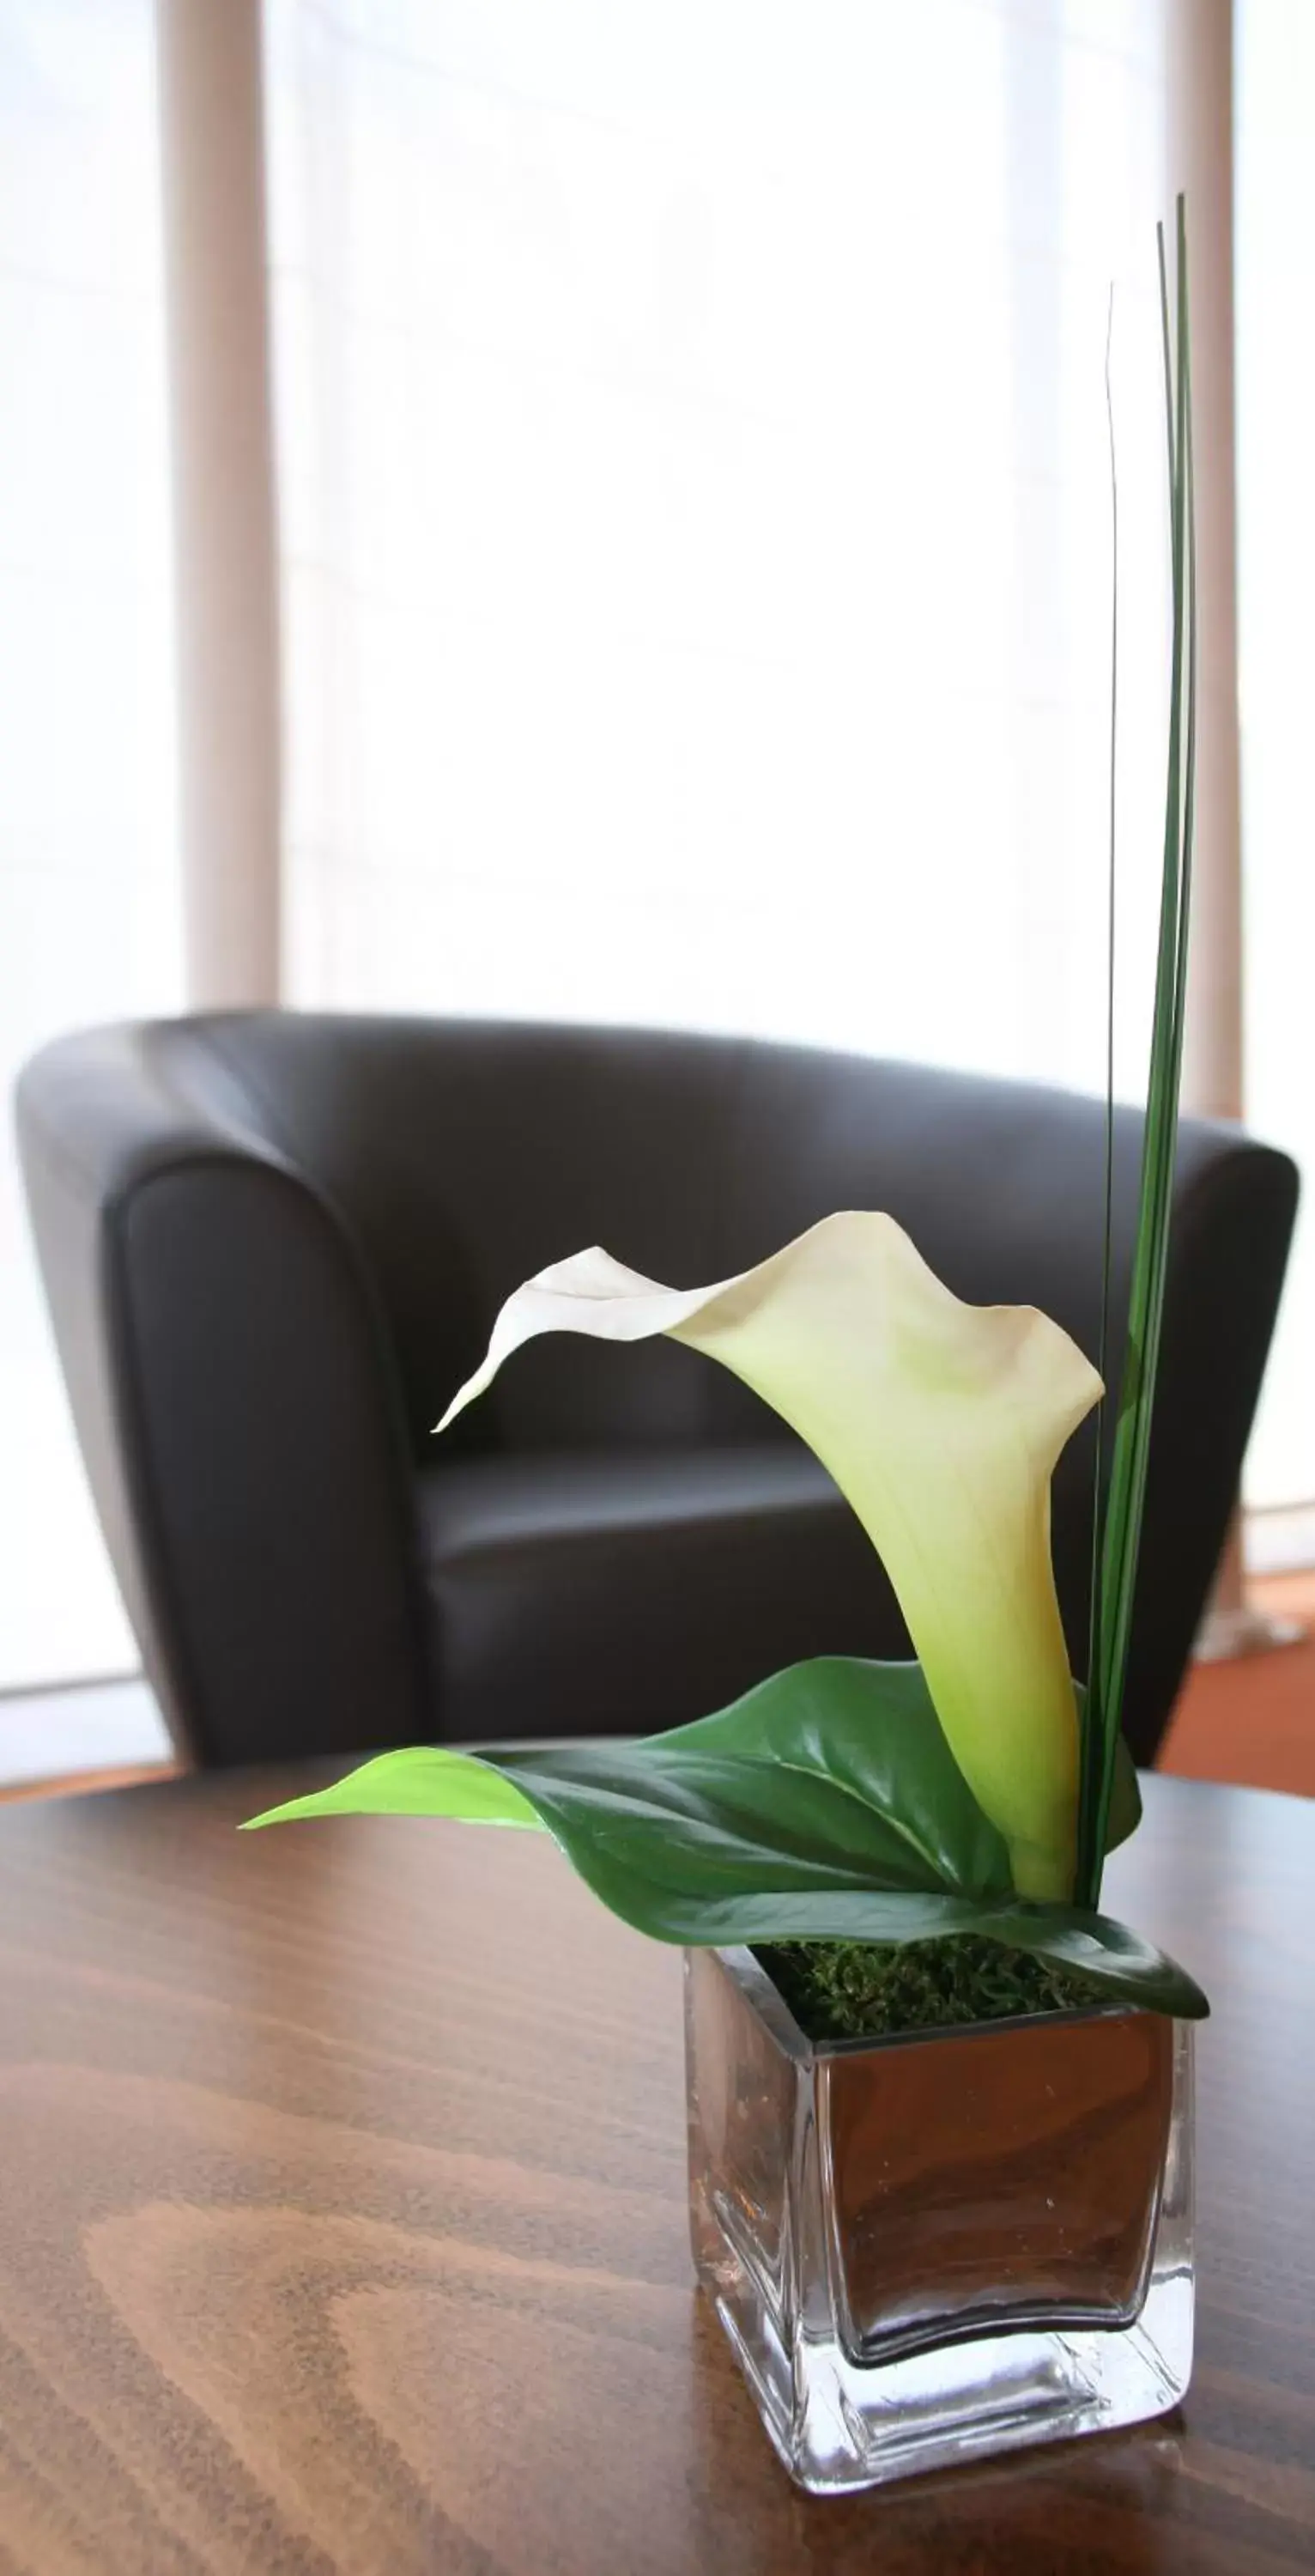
{"x":824,"y":1805}
{"x":424,"y":1781}
{"x":836,"y":1769}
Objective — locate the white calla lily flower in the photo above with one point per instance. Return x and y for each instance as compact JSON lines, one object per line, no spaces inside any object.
{"x":941,"y":1424}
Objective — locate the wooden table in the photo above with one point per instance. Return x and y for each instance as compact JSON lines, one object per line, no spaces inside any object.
{"x":342,"y":2223}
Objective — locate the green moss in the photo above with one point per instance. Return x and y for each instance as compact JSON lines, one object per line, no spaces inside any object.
{"x":859,"y":1989}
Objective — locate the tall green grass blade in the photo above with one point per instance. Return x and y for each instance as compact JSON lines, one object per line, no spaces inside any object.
{"x":1126,"y":1494}
{"x":1092,"y":1733}
{"x":1127,"y":1482}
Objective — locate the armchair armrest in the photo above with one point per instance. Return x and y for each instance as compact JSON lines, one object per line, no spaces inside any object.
{"x":234,"y":1395}
{"x":1235,"y":1205}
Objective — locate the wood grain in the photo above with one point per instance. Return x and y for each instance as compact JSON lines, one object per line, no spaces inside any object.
{"x":343,"y":2223}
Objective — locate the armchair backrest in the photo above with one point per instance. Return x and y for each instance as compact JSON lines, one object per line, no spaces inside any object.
{"x":396,"y":1178}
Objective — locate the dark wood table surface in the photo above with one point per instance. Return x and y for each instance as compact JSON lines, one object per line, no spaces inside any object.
{"x":342,"y":2223}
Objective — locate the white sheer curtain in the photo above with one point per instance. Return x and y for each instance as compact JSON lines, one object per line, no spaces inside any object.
{"x":694,"y":489}
{"x":88,"y":907}
{"x":694,"y":519}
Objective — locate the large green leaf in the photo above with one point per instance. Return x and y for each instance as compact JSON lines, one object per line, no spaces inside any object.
{"x":833,"y":1773}
{"x":835,"y":1757}
{"x":823,"y":1805}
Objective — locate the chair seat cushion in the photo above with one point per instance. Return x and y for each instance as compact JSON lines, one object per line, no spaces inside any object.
{"x":616,"y":1592}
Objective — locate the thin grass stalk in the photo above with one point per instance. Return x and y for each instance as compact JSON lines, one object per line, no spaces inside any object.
{"x":1125,"y":1500}
{"x":1127,"y":1483}
{"x":1127,"y":1480}
{"x":1173,"y":1072}
{"x":1092,"y":1726}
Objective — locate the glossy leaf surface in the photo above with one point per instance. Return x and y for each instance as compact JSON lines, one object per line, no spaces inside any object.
{"x":823,"y":1805}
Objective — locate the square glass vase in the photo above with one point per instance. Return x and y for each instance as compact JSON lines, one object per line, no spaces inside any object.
{"x":925,"y":2250}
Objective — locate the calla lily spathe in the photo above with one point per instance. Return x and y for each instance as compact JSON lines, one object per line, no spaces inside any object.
{"x":941,"y":1424}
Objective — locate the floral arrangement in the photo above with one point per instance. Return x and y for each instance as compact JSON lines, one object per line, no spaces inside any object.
{"x":969,"y":1795}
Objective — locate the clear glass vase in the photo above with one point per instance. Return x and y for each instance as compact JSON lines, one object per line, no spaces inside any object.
{"x":928,"y":2249}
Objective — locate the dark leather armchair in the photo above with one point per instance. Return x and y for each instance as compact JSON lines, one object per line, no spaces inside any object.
{"x":275,"y":1243}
